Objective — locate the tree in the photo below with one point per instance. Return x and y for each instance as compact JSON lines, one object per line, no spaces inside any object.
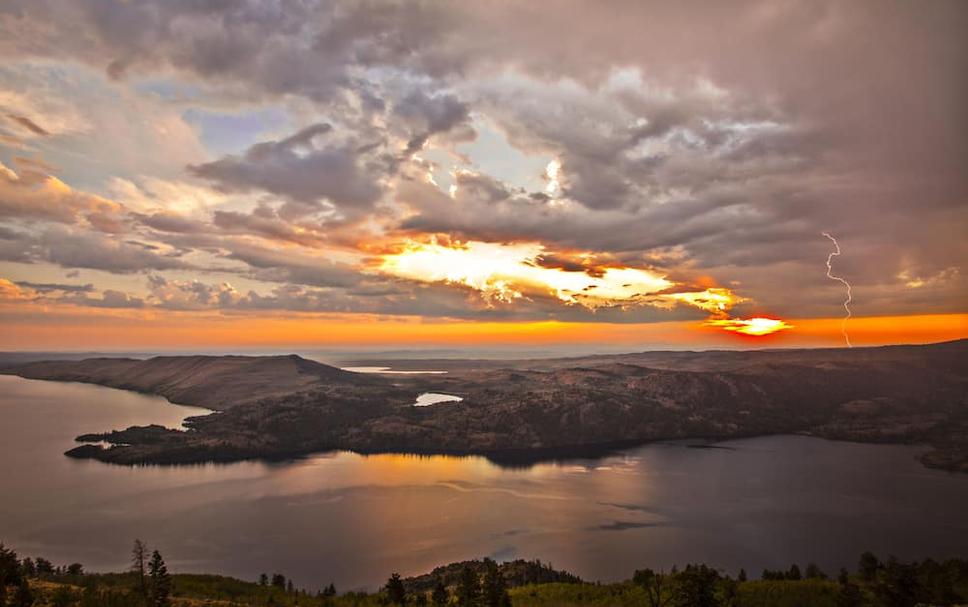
{"x":330,"y":590}
{"x":395,"y":590}
{"x":278,"y":580}
{"x":9,"y":571}
{"x":695,"y":586}
{"x":23,"y":597}
{"x":439,"y":596}
{"x":263,"y":579}
{"x":652,"y":583}
{"x":843,"y":577}
{"x":868,"y":566}
{"x":468,"y":588}
{"x":794,"y":573}
{"x":899,"y":585}
{"x":849,"y":594}
{"x":730,"y":592}
{"x":160,"y":580}
{"x":813,"y":572}
{"x":742,"y":575}
{"x":494,"y":587}
{"x":75,"y":569}
{"x":139,"y":565}
{"x":44,"y":567}
{"x":28,"y":568}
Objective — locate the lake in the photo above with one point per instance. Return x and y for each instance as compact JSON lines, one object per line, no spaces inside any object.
{"x":352,"y":520}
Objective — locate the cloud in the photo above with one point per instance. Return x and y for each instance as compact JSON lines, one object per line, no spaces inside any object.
{"x":312,"y":166}
{"x":31,"y":194}
{"x":76,"y":249}
{"x":28,"y":124}
{"x":677,"y":142}
{"x":46,"y":287}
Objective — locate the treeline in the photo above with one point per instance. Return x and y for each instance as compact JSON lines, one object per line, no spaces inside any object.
{"x":36,"y":582}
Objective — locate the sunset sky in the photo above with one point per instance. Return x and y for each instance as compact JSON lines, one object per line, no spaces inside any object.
{"x":242,"y":174}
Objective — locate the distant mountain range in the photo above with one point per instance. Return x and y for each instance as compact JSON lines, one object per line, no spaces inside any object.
{"x":517,"y":411}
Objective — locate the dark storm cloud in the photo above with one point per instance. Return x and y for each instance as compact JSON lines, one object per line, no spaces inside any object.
{"x":308,"y":167}
{"x":28,"y":124}
{"x":46,"y":287}
{"x":72,"y":248}
{"x":428,"y":115}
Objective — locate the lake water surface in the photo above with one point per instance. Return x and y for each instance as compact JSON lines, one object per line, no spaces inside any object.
{"x":353,"y":520}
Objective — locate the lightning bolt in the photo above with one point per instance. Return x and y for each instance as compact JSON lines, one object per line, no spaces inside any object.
{"x":843,"y":325}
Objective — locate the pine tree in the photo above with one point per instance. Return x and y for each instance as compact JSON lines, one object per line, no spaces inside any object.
{"x":139,"y":565}
{"x":396,"y":593}
{"x":494,"y":587}
{"x":652,"y":583}
{"x":10,"y":573}
{"x":22,"y":597}
{"x":160,"y":581}
{"x":468,"y":588}
{"x":868,"y":566}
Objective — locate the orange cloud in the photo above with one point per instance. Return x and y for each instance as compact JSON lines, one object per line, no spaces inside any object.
{"x":504,"y":272}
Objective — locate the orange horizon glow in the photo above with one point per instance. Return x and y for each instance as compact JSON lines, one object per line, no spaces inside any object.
{"x":76,"y":328}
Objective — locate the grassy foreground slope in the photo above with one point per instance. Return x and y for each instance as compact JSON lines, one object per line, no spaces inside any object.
{"x":889,"y":583}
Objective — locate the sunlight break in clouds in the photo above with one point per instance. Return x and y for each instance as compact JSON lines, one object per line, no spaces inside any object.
{"x":506,"y":272}
{"x":750,"y":326}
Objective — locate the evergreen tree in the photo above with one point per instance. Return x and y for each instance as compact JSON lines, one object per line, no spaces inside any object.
{"x":899,"y":585}
{"x":742,"y":575}
{"x":794,"y":573}
{"x":695,"y":586}
{"x":9,"y":572}
{"x":330,"y":590}
{"x":730,"y":592}
{"x":468,"y":588}
{"x":843,"y":577}
{"x":278,"y":580}
{"x":652,"y":583}
{"x":868,"y":566}
{"x":160,"y":581}
{"x":263,"y":579}
{"x":23,"y":597}
{"x":495,"y":591}
{"x":28,"y":568}
{"x":439,"y":596}
{"x":44,"y":567}
{"x":75,"y":569}
{"x":813,"y":572}
{"x":139,"y":565}
{"x":396,"y":593}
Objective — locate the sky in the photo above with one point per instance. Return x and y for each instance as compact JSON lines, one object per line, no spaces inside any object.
{"x":242,"y":174}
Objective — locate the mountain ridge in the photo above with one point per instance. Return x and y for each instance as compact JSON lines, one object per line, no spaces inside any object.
{"x":287,"y":406}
